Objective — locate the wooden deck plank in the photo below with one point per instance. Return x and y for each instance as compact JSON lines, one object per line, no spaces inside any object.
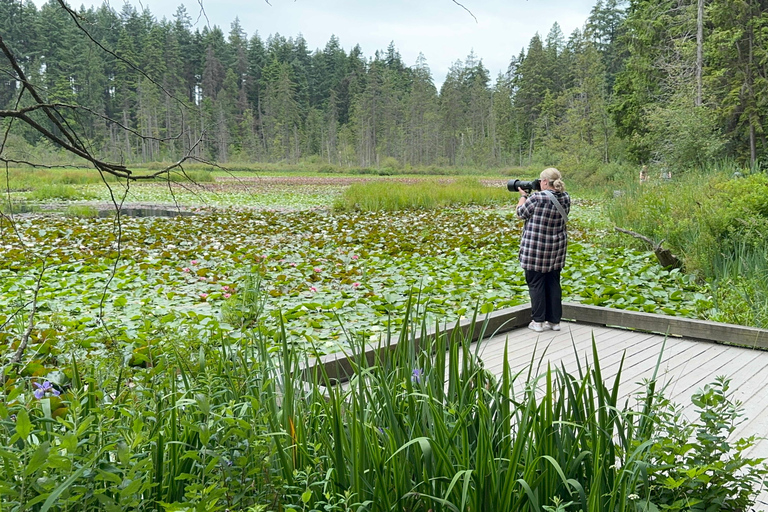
{"x":700,"y":370}
{"x":565,"y":344}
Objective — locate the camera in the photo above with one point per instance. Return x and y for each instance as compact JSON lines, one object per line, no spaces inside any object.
{"x":513,"y":185}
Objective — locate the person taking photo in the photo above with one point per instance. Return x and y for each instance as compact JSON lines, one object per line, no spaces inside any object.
{"x":543,"y":246}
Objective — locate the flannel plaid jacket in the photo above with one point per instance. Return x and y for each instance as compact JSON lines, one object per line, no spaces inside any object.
{"x":545,"y":237}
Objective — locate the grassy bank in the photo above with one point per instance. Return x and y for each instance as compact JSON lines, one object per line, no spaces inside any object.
{"x":716,"y":220}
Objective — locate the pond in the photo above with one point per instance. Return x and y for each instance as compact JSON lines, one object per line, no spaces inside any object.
{"x":328,"y":275}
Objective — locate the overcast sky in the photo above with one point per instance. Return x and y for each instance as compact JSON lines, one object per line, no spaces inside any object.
{"x":440,"y":29}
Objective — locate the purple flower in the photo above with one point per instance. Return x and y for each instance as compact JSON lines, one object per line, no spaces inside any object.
{"x":416,"y":376}
{"x":42,"y":389}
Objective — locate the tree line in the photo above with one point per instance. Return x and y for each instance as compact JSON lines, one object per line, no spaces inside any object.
{"x":669,"y":82}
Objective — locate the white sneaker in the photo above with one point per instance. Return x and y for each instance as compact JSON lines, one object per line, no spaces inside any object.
{"x":554,"y":327}
{"x":536,"y":326}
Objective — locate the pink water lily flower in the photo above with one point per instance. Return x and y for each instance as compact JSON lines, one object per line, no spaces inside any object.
{"x":355,"y":285}
{"x":312,"y":289}
{"x":227,"y":295}
{"x":317,"y":269}
{"x":355,"y":256}
{"x":193,"y":262}
{"x":203,"y":295}
{"x":186,"y":269}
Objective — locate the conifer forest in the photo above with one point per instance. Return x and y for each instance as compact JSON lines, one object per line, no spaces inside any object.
{"x":668,"y":82}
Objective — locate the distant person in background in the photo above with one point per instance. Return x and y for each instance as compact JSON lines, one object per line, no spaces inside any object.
{"x":543,"y":247}
{"x":644,"y":174}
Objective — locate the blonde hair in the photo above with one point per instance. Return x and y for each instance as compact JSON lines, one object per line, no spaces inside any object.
{"x":554,"y":178}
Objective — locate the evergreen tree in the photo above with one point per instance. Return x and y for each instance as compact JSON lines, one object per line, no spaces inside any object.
{"x":531,"y":81}
{"x":736,"y":56}
{"x":605,"y":28}
{"x":422,"y":128}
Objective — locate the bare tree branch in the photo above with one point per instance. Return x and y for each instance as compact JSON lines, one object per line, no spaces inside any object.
{"x":470,"y":12}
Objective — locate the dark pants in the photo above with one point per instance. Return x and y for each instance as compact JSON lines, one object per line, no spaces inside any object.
{"x":546,"y":295}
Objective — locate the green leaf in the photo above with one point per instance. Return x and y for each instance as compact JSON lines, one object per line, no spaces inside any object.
{"x":23,"y":425}
{"x":61,"y":488}
{"x":38,"y":459}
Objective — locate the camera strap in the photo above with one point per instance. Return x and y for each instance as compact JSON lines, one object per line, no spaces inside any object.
{"x":557,"y":204}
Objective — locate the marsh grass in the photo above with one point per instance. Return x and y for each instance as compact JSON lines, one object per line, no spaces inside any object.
{"x":81,"y":211}
{"x":32,"y":179}
{"x":717,"y":221}
{"x":58,"y":192}
{"x":391,"y":196}
{"x":35,"y":179}
{"x":741,"y":284}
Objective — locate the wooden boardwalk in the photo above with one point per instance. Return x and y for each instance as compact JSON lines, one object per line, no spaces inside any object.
{"x":686,"y":365}
{"x":694,"y":354}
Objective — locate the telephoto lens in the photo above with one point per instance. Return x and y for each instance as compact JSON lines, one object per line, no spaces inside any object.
{"x":513,"y":185}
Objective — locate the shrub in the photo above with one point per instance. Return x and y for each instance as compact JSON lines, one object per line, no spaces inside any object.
{"x":391,"y":163}
{"x":696,"y":465}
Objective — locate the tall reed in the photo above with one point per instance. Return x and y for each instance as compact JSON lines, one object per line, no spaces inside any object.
{"x":392,"y":195}
{"x":425,"y":427}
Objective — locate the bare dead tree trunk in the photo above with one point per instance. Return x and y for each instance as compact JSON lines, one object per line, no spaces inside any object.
{"x":665,"y":256}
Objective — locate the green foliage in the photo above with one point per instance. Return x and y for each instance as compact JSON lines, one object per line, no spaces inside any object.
{"x":56,"y":192}
{"x":82,"y":211}
{"x":235,"y":424}
{"x":719,"y":223}
{"x":681,"y":137}
{"x":697,"y":465}
{"x":110,"y":437}
{"x":389,"y":196}
{"x":741,"y":284}
{"x":31,"y":179}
